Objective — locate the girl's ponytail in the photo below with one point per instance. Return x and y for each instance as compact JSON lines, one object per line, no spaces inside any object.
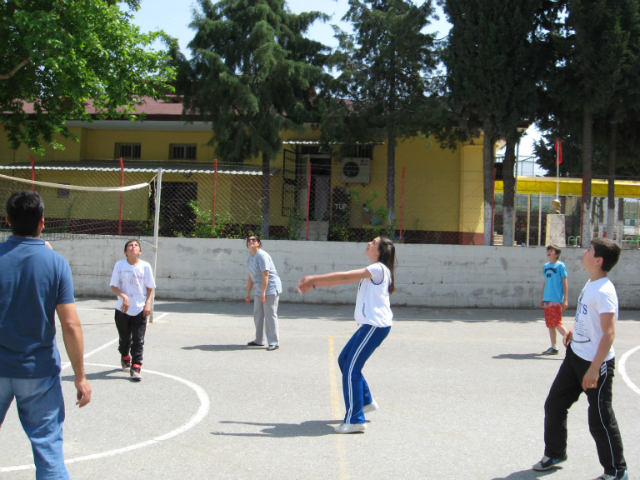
{"x":388,"y":259}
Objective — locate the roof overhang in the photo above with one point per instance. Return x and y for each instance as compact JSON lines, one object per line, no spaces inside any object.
{"x":146,"y":125}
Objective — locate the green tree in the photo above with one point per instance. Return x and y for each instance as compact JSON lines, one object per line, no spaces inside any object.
{"x":384,"y":90}
{"x":62,"y":55}
{"x":252,"y":76}
{"x":592,"y":85}
{"x":494,"y":63}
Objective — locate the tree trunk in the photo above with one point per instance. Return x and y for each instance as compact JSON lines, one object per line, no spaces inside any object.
{"x":391,"y":178}
{"x":487,"y":168}
{"x":509,"y":210}
{"x":587,"y":161}
{"x":266,"y":164}
{"x":611,"y":197}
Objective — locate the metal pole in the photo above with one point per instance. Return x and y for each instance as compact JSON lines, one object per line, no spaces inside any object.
{"x":215,"y":184}
{"x":156,"y":225}
{"x":122,"y":185}
{"x":493,"y":204}
{"x":515,"y":195}
{"x":539,"y":218}
{"x":33,"y":172}
{"x":402,"y":205}
{"x":528,"y":217}
{"x":306,"y":237}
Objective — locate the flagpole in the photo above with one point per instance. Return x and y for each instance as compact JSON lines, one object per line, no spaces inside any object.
{"x":557,"y":179}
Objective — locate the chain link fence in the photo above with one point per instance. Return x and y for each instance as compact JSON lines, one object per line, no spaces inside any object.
{"x":313,"y":199}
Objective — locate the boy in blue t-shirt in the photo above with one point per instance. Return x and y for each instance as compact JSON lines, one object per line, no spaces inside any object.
{"x":555,"y":290}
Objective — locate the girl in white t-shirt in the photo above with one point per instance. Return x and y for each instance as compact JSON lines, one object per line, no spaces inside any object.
{"x":373,"y":314}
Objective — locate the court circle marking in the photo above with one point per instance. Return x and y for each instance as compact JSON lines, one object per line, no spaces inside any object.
{"x":197,"y":418}
{"x":623,"y":370}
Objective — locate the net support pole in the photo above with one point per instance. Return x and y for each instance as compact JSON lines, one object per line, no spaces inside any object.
{"x":122,"y":185}
{"x":402,"y":204}
{"x":306,"y":237}
{"x":156,"y":225}
{"x":33,"y":172}
{"x":528,"y":218}
{"x":215,"y":185}
{"x":584,"y":180}
{"x":493,"y":203}
{"x":539,"y":217}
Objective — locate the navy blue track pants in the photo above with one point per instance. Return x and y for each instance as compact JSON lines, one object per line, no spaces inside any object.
{"x":351,"y":360}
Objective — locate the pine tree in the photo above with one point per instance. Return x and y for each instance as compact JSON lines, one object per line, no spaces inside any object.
{"x":384,"y":91}
{"x":493,"y":59}
{"x":252,"y":76}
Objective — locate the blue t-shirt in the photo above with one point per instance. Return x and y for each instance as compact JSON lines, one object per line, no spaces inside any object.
{"x":257,"y":264}
{"x":553,"y":275}
{"x":33,"y":280}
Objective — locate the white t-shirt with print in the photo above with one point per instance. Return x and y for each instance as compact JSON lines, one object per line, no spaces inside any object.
{"x":133,"y":281}
{"x":596,"y":298}
{"x":372,"y":304}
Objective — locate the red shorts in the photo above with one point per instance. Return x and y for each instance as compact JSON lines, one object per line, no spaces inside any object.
{"x":552,"y":314}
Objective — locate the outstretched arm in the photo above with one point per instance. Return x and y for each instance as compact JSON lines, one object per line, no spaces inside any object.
{"x":73,"y":342}
{"x":331,"y":279}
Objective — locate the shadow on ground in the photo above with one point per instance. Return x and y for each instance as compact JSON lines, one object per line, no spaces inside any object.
{"x":315,"y":428}
{"x":222,"y":348}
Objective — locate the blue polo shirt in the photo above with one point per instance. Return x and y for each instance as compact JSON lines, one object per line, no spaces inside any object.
{"x":33,"y":280}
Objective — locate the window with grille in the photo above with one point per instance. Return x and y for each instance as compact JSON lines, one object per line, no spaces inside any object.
{"x":128,"y":150}
{"x":182,"y":152}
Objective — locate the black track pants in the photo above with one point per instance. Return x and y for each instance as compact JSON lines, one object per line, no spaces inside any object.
{"x":603,"y":426}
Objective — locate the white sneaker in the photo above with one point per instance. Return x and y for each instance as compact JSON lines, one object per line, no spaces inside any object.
{"x":350,"y":428}
{"x":372,"y":407}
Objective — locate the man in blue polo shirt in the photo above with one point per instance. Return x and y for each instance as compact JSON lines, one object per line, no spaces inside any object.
{"x":34,"y":282}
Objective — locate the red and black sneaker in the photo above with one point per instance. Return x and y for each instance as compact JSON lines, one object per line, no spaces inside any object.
{"x":135,"y":372}
{"x":126,"y":363}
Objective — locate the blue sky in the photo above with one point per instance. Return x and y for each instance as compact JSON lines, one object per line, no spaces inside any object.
{"x":174,"y":16}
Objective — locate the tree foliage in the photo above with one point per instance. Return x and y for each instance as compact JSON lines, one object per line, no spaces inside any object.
{"x":61,"y":55}
{"x":252,"y":76}
{"x":494,"y":61}
{"x":385,"y":89}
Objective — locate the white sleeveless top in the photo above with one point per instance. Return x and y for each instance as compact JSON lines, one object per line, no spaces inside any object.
{"x":372,"y":304}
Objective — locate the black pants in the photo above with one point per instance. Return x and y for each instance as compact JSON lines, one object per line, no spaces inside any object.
{"x":603,"y":426}
{"x":131,"y":331}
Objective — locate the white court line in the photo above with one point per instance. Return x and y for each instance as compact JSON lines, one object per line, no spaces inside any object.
{"x":197,"y":418}
{"x":161,"y":316}
{"x":623,"y":370}
{"x":87,"y":355}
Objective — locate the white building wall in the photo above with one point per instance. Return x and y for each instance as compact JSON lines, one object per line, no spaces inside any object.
{"x":447,"y":276}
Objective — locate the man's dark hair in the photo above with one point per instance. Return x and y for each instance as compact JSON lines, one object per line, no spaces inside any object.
{"x":608,"y":250}
{"x":25,"y":210}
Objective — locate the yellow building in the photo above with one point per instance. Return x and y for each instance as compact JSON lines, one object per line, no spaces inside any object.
{"x":438,"y":192}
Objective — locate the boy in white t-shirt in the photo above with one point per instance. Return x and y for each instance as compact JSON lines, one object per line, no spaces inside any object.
{"x":132,"y":281}
{"x":588,"y":366}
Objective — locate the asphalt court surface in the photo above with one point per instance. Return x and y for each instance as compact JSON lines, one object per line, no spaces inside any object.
{"x":461,"y":395}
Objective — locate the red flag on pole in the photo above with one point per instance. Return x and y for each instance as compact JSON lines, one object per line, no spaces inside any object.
{"x":558,"y":149}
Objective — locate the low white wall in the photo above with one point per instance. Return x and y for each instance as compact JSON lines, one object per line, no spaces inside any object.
{"x":427,"y":275}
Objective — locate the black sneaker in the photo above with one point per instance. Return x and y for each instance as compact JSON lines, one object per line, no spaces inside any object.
{"x":126,"y":363}
{"x":553,"y":350}
{"x":623,"y":475}
{"x":546,"y":463}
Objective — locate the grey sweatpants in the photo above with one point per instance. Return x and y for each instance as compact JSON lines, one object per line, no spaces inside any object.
{"x":265,"y":316}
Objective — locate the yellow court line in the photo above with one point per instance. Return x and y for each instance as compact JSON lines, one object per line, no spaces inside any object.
{"x":335,"y":410}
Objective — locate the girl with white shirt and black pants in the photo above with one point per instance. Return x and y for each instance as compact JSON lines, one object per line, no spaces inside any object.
{"x":373,"y":314}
